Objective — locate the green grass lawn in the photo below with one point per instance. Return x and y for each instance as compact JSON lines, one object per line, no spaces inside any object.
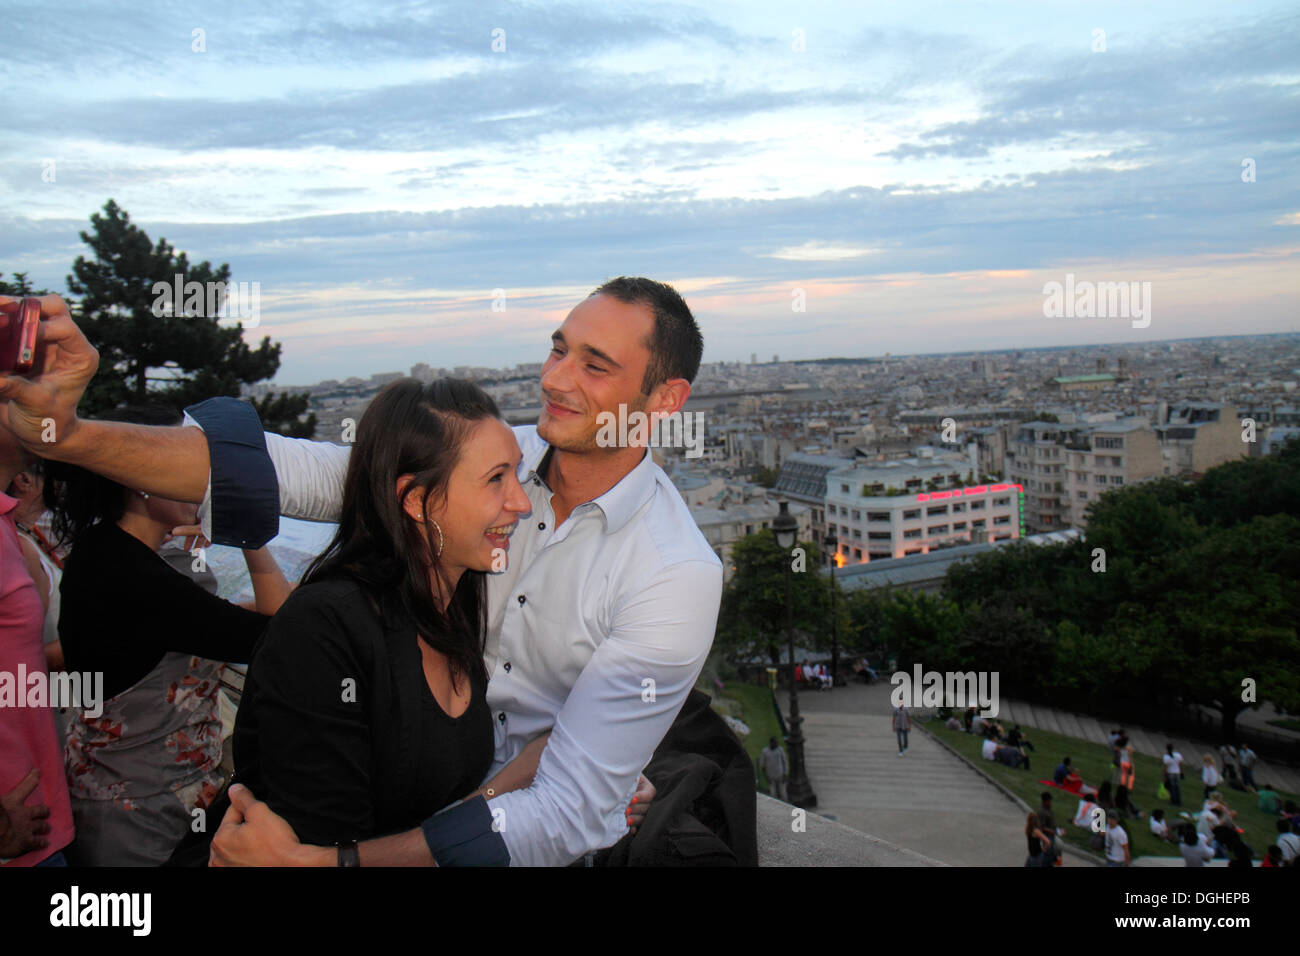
{"x":1092,"y":761}
{"x":1286,"y":723}
{"x":755,"y":703}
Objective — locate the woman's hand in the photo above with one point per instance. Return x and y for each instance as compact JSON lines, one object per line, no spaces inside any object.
{"x":636,"y":810}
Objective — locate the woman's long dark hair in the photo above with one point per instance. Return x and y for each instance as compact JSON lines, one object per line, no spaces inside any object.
{"x":418,"y":430}
{"x":77,"y":498}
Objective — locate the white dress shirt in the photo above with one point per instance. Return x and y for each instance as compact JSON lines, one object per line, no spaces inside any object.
{"x":597,"y":629}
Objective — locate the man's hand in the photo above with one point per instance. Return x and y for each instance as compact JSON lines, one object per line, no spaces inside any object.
{"x":636,"y":810}
{"x":252,"y":834}
{"x":41,"y":408}
{"x":22,"y":827}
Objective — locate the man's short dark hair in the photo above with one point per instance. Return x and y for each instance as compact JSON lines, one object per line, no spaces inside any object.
{"x":676,"y":343}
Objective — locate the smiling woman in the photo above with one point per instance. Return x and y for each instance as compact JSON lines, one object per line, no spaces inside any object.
{"x":365,"y":708}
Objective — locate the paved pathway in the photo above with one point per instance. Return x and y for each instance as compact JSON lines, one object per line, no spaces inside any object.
{"x":927,"y":800}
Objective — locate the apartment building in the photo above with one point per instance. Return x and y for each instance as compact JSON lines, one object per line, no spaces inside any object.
{"x":1035,"y":460}
{"x":803,"y":479}
{"x":1064,"y":468}
{"x":1105,"y":456}
{"x":1196,"y":436}
{"x":895,"y":509}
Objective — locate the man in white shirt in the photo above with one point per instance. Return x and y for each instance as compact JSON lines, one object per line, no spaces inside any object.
{"x":598,"y":626}
{"x":1288,"y":843}
{"x":1117,"y":853}
{"x":1173,"y":762}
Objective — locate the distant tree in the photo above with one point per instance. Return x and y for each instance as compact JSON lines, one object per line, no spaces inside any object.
{"x":20,"y":286}
{"x":766,"y":477}
{"x":165,"y":355}
{"x":920,"y":628}
{"x":1230,"y":605}
{"x":753,"y":616}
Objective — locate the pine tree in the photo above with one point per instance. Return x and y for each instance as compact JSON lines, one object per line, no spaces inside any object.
{"x":154,"y":349}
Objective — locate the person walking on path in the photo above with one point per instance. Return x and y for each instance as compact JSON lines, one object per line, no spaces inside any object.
{"x":1038,"y":843}
{"x":1246,"y":760}
{"x":902,"y":724}
{"x":1173,"y":762}
{"x":772,"y":759}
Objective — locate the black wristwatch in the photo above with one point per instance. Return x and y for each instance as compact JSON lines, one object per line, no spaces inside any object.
{"x":349,"y":855}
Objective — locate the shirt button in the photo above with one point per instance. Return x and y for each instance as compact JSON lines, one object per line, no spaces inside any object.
{"x":507,"y":666}
{"x":502,"y":716}
{"x":522,"y":599}
{"x":541,"y":526}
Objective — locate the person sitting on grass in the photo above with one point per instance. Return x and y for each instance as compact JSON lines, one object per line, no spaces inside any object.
{"x":1016,"y":738}
{"x":1291,"y":814}
{"x":1196,"y":850}
{"x":1269,"y":801}
{"x":1273,"y":856}
{"x":1220,"y":806}
{"x":1074,"y":783}
{"x":1013,"y":757}
{"x":1239,"y":852}
{"x":1159,"y":827}
{"x":1061,"y":772}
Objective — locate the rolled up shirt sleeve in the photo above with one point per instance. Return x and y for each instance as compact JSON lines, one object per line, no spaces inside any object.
{"x":620,"y":708}
{"x":255,"y":476}
{"x":240,"y":505}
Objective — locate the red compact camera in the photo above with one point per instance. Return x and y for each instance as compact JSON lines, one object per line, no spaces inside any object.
{"x":19,"y":321}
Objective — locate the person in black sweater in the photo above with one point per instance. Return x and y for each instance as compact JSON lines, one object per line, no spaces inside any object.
{"x":144,"y":758}
{"x":365,"y":709}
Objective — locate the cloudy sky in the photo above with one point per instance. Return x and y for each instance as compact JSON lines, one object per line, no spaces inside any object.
{"x":915,"y":172}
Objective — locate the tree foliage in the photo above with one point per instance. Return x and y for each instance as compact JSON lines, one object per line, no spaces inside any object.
{"x":165,"y":355}
{"x":752,"y":621}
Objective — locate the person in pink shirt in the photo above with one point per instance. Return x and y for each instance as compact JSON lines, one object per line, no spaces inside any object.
{"x":29,"y":739}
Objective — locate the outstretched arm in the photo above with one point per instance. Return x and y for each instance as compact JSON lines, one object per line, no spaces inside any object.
{"x":242,"y":477}
{"x":41,"y":410}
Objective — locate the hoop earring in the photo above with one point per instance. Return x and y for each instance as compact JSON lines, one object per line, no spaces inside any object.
{"x":439,"y":530}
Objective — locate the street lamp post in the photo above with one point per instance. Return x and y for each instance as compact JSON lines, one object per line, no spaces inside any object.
{"x":799,"y":791}
{"x":833,"y":546}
